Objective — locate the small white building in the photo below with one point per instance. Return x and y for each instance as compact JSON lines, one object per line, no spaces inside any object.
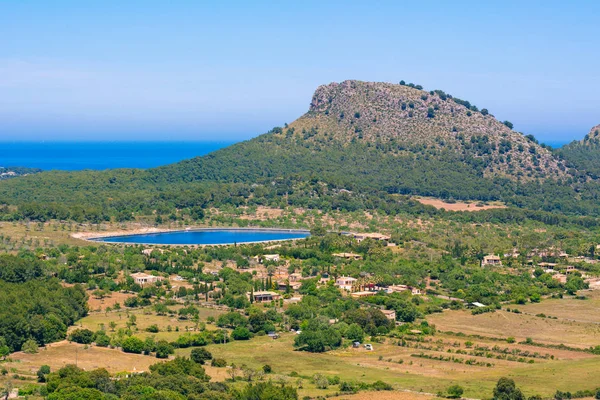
{"x":345,"y":282}
{"x":143,"y":279}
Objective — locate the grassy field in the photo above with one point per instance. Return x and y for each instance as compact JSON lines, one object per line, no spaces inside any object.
{"x":569,"y":371}
{"x":571,"y":309}
{"x":416,"y":367}
{"x":521,"y":326}
{"x":144,"y":319}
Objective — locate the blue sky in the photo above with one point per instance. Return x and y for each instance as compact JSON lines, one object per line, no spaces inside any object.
{"x":199,"y":70}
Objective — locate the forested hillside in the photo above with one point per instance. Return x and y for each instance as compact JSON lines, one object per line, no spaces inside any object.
{"x":359,"y":145}
{"x":584,"y":155}
{"x":34,"y":308}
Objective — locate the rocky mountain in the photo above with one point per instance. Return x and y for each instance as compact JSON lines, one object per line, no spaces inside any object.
{"x":408,"y":120}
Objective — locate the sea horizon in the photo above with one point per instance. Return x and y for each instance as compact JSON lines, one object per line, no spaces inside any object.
{"x":101,"y":155}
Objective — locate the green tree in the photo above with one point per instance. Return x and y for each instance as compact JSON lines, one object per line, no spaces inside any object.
{"x":241,"y":333}
{"x":82,"y":336}
{"x":200,"y":355}
{"x":163,"y":349}
{"x":133,"y":345}
{"x":355,"y":333}
{"x":455,"y":392}
{"x":30,"y":346}
{"x":507,"y":390}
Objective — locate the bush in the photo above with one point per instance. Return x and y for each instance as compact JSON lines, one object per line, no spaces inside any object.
{"x":42,"y":372}
{"x":133,"y":345}
{"x":348,"y":387}
{"x":267,"y":369}
{"x":101,"y":339}
{"x":152,"y":329}
{"x":200,"y":355}
{"x":163,"y":349}
{"x":380,"y":385}
{"x":82,"y":336}
{"x":320,"y":381}
{"x":241,"y":333}
{"x":455,"y":392}
{"x":30,"y":346}
{"x":218,"y":362}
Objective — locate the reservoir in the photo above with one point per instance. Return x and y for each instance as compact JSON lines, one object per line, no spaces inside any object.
{"x":208,"y":237}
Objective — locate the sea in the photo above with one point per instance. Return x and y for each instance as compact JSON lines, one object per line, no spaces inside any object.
{"x":75,"y":156}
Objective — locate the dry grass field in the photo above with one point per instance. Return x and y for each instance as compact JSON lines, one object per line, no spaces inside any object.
{"x":395,"y":395}
{"x":521,"y":326}
{"x":144,"y":319}
{"x":59,"y":354}
{"x":571,"y":309}
{"x":458,"y":206}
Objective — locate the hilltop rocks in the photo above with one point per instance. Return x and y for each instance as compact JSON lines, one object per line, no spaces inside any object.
{"x":405,"y":119}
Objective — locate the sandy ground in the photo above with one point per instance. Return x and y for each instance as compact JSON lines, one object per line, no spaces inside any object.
{"x":133,"y":231}
{"x":458,"y":206}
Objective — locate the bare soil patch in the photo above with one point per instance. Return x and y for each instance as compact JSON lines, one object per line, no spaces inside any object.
{"x":391,"y":395}
{"x":96,"y":304}
{"x":458,"y":206}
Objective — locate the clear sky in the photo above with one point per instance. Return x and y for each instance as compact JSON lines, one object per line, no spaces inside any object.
{"x":222,"y":70}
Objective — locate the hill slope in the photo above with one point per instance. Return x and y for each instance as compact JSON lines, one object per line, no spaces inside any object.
{"x":358,"y":139}
{"x":584,"y":155}
{"x":380,"y":136}
{"x":409,"y":120}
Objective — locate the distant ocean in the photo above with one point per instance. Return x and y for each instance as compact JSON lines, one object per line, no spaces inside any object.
{"x":73,"y":156}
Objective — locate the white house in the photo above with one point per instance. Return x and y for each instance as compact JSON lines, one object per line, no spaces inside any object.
{"x":345,"y":282}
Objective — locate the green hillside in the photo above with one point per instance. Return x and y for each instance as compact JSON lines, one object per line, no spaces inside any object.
{"x":359,"y":145}
{"x":584,"y":155}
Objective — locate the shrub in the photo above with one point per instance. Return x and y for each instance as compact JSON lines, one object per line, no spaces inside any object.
{"x":267,"y":369}
{"x":42,"y":372}
{"x":200,"y":355}
{"x":320,"y":381}
{"x":241,"y":333}
{"x":348,"y":387}
{"x":30,"y":346}
{"x":218,"y":362}
{"x":380,"y":385}
{"x":455,"y":392}
{"x":83,"y":336}
{"x":152,"y":328}
{"x":101,"y":339}
{"x":163,"y":349}
{"x":133,"y":345}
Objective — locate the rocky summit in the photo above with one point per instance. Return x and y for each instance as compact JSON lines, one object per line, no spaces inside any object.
{"x":407,"y":119}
